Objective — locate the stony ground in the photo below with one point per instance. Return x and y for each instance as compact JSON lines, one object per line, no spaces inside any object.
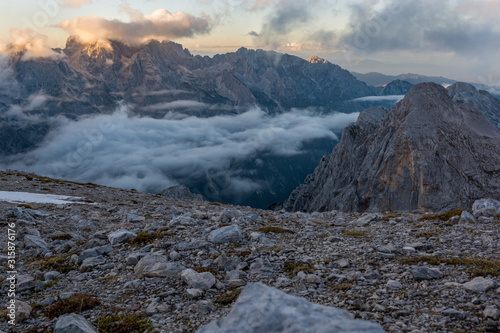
{"x":126,"y":256}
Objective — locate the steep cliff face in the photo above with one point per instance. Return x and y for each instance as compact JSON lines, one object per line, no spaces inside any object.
{"x":465,"y":93}
{"x":429,"y":153}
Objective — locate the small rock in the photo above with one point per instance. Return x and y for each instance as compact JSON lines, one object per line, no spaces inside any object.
{"x":94,"y":252}
{"x":73,"y":323}
{"x":491,"y":312}
{"x":424,"y":273}
{"x":51,"y":276}
{"x":366,"y":219}
{"x":120,"y":236}
{"x":157,"y":266}
{"x":454,"y":314}
{"x":23,"y":311}
{"x":467,"y":217}
{"x":395,"y":285}
{"x":194,"y":293}
{"x":227,"y":234}
{"x":134,"y":257}
{"x":342,"y":263}
{"x":34,"y":241}
{"x":484,"y":203}
{"x":203,"y":281}
{"x":66,"y":295}
{"x":92,"y":262}
{"x":480,"y":285}
{"x":135,"y":307}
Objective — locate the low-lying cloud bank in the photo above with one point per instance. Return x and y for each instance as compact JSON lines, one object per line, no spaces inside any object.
{"x":152,"y":154}
{"x":388,"y":98}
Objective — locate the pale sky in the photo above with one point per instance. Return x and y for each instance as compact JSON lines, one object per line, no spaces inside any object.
{"x":458,"y":39}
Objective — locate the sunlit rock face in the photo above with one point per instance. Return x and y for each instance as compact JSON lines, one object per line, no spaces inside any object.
{"x":429,"y":153}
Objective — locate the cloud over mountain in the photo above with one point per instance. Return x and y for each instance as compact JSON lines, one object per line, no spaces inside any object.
{"x":161,"y":25}
{"x":32,"y":43}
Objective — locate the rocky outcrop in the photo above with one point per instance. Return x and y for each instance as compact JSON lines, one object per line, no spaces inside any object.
{"x":429,"y":153}
{"x":181,"y":192}
{"x":263,"y":309}
{"x":465,"y":93}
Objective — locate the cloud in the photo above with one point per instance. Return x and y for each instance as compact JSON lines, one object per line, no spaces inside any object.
{"x":286,"y":18}
{"x":419,"y":26}
{"x":389,"y":98}
{"x":32,"y":43}
{"x":151,"y":154}
{"x":161,"y":25}
{"x":253,"y":33}
{"x":175,"y":105}
{"x":73,"y":3}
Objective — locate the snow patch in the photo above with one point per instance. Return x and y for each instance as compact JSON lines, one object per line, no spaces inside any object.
{"x":17,"y":197}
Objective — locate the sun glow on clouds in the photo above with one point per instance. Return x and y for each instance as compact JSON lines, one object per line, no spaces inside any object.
{"x":32,"y":43}
{"x":160,"y":25}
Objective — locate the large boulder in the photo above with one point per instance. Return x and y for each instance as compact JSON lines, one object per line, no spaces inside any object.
{"x":260,"y":308}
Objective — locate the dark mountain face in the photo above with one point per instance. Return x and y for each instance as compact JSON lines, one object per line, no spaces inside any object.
{"x":431,"y":152}
{"x":100,"y":75}
{"x":396,"y":87}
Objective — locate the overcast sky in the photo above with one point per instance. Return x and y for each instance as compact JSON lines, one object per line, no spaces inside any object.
{"x":459,"y":39}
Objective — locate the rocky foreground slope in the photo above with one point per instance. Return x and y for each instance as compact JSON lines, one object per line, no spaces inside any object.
{"x":125,"y":261}
{"x":435,"y":150}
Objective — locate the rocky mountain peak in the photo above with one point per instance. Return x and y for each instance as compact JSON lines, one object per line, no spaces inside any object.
{"x":429,"y":153}
{"x":317,"y":60}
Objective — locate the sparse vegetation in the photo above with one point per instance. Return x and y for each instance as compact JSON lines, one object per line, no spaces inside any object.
{"x":354,"y":233}
{"x":62,"y":237}
{"x":443,"y":216}
{"x":276,"y":230}
{"x":75,"y":304}
{"x":228,"y":297}
{"x":143,"y":238}
{"x":476,"y":266}
{"x":426,"y":234}
{"x":25,"y":206}
{"x":343,"y":287}
{"x":205,"y":269}
{"x":292,"y":268}
{"x":61,"y":264}
{"x":135,"y":323}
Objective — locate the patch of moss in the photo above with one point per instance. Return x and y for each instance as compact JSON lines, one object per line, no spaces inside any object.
{"x":276,"y":230}
{"x":135,"y":323}
{"x":143,"y":238}
{"x":61,"y":264}
{"x":292,"y":268}
{"x":476,"y":266}
{"x":75,"y":304}
{"x":443,"y":216}
{"x":50,"y":284}
{"x":426,"y":234}
{"x":228,"y":297}
{"x":389,"y":216}
{"x":62,"y":237}
{"x":25,"y":206}
{"x":354,"y":233}
{"x":205,"y":269}
{"x":342,"y":287}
